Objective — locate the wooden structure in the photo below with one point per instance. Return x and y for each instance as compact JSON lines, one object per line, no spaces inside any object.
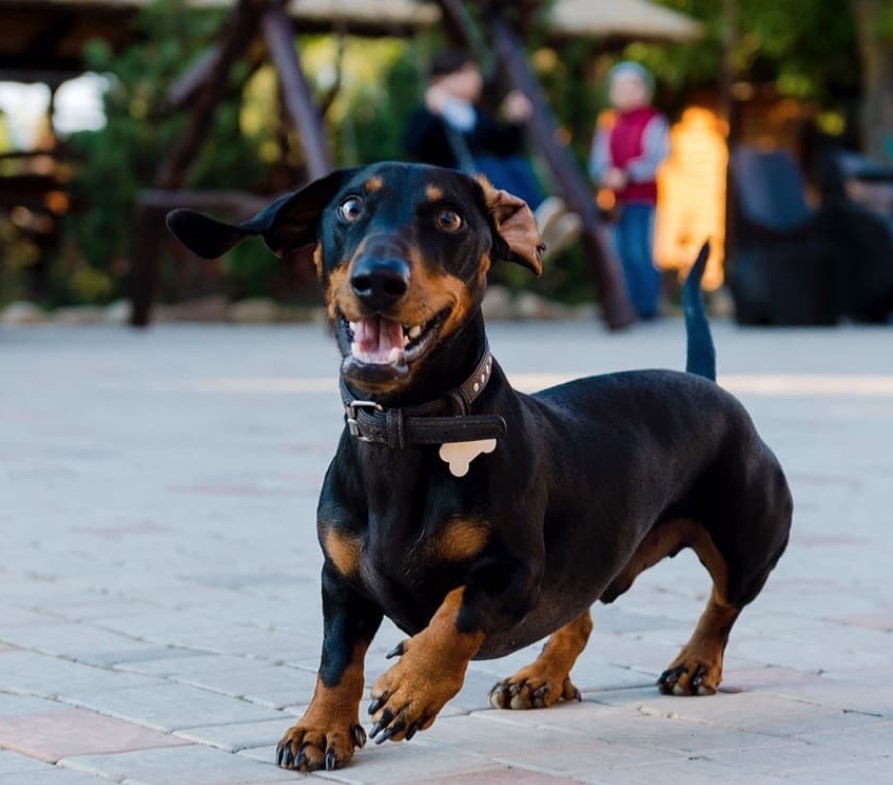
{"x":268,"y":19}
{"x":42,"y":40}
{"x":251,"y":19}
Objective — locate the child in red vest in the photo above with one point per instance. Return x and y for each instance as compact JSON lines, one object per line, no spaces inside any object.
{"x":625,"y":159}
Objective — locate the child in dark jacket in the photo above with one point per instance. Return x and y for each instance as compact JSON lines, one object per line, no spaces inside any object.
{"x":625,"y":159}
{"x":451,"y":129}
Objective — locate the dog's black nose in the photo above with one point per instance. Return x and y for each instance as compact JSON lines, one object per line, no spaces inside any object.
{"x":380,"y":283}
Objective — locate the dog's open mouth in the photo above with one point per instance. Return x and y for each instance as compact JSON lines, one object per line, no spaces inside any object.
{"x":380,"y":341}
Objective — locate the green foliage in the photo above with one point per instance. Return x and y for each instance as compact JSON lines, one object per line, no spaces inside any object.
{"x":380,"y":87}
{"x":16,"y":256}
{"x":807,"y":48}
{"x":122,"y":158}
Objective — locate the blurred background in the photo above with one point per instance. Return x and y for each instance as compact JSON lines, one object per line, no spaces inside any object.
{"x":114,"y":111}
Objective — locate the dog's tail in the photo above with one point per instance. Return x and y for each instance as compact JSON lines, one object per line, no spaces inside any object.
{"x":701,"y":355}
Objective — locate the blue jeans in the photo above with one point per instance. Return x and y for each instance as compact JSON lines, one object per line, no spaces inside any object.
{"x":512,"y":173}
{"x":634,"y":236}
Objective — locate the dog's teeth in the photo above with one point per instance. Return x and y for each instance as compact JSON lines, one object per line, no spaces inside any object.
{"x":355,"y":350}
{"x":353,"y":326}
{"x":415,"y":331}
{"x":393,"y":355}
{"x":406,"y":340}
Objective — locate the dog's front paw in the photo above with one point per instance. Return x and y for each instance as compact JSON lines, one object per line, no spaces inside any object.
{"x":308,"y":745}
{"x":531,"y":688}
{"x":690,"y":675}
{"x":411,"y":694}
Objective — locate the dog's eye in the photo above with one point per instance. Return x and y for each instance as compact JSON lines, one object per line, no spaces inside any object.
{"x":351,"y":209}
{"x":449,"y":221}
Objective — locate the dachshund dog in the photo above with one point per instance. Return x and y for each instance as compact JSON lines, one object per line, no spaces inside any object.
{"x":477,"y":518}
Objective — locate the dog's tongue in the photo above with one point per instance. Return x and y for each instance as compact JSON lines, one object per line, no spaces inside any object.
{"x":377,"y":338}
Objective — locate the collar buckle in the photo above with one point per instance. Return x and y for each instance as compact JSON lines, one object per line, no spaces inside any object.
{"x":350,"y":412}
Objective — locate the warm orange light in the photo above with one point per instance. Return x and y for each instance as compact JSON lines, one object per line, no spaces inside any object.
{"x":606,"y":199}
{"x":57,"y":201}
{"x":692,"y":195}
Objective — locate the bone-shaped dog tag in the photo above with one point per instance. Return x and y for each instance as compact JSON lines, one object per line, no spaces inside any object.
{"x":459,"y":455}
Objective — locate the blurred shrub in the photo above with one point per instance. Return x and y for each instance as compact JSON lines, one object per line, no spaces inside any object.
{"x":116,"y":162}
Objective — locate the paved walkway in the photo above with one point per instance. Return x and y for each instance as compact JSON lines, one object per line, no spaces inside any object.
{"x":159,"y":590}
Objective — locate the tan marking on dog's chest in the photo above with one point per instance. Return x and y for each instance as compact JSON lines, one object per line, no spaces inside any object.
{"x":344,"y":549}
{"x":460,"y":539}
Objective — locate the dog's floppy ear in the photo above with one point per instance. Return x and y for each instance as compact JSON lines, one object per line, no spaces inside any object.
{"x":516,"y":228}
{"x":285,"y":224}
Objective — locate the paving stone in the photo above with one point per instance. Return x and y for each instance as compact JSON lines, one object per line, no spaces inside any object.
{"x":493,"y":775}
{"x":764,"y":713}
{"x":622,"y":729}
{"x":241,"y":735}
{"x":161,"y":561}
{"x":168,"y":707}
{"x":16,"y":769}
{"x":52,"y":735}
{"x":404,"y":763}
{"x":52,"y":677}
{"x":13,"y":705}
{"x":77,"y":641}
{"x":188,"y":765}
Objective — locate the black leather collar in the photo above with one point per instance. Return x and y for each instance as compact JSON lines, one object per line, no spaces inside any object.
{"x":441,"y":421}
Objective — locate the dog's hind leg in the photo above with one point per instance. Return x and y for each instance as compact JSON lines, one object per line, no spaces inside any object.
{"x":697,"y":670}
{"x":547,"y":679}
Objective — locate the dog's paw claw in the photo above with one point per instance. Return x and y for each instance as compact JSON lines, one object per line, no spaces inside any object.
{"x":309,"y":747}
{"x":531,"y":692}
{"x":497,"y":697}
{"x":397,"y":651}
{"x":391,"y":731}
{"x":691,"y":678}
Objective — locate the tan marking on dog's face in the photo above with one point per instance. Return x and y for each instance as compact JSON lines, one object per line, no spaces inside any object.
{"x":373,"y":184}
{"x":345,"y":550}
{"x":551,"y":669}
{"x":340,"y":295}
{"x":486,"y":264}
{"x":434,"y":193}
{"x":430,"y":671}
{"x":461,"y":540}
{"x":330,"y":719}
{"x":430,"y":292}
{"x":317,"y":259}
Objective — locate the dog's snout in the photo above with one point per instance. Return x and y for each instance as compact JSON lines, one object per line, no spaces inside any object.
{"x":380,"y":283}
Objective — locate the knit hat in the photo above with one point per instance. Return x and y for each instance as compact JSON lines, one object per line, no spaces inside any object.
{"x":630,"y":68}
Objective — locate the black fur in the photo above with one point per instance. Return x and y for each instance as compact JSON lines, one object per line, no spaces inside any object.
{"x":585,"y":471}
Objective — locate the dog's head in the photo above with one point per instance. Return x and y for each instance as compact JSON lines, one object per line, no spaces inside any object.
{"x":401,"y":252}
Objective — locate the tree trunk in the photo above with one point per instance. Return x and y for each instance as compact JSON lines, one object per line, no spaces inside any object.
{"x":874,"y":30}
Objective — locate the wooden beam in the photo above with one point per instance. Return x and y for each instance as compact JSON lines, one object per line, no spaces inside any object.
{"x":238,"y":35}
{"x":299,"y":103}
{"x":42,"y":47}
{"x":605,"y":266}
